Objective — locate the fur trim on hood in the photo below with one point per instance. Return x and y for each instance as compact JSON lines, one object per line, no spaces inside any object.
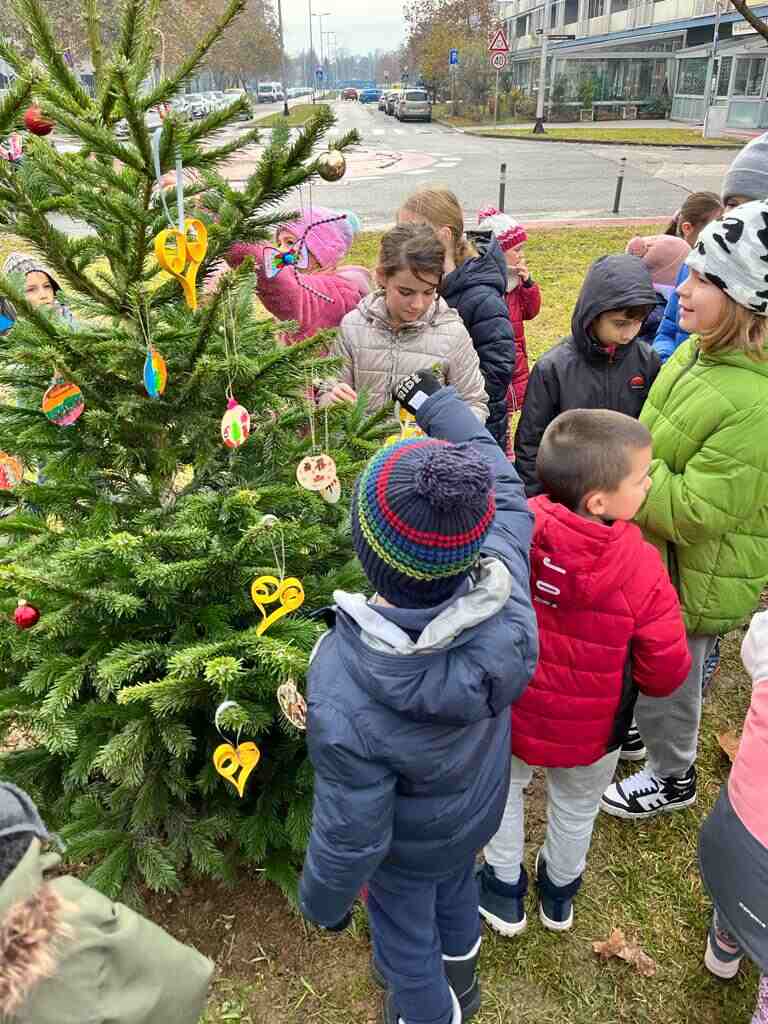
{"x":28,"y":935}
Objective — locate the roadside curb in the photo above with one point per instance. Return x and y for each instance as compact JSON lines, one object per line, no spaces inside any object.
{"x":594,"y":222}
{"x":447,"y":124}
{"x":597,"y":142}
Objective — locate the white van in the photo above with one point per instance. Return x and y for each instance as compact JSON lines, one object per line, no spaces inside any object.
{"x":269,"y":92}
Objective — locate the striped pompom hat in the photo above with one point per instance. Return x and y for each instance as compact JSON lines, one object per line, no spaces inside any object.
{"x":420,"y":513}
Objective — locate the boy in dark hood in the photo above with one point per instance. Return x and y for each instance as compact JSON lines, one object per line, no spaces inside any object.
{"x":408,"y":724}
{"x":602,"y":364}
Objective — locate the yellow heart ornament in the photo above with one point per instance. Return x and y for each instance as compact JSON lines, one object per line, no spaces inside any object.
{"x":235,"y":764}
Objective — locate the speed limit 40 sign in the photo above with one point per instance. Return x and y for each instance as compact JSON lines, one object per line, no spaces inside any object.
{"x":498,"y":60}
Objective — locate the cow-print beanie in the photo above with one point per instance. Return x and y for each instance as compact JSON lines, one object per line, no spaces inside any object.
{"x":732,"y":253}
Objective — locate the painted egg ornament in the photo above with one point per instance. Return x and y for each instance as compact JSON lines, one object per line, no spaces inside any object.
{"x":36,"y":123}
{"x":235,"y":424}
{"x":11,"y":472}
{"x":26,"y":615}
{"x":63,"y":402}
{"x":292,"y":705}
{"x":155,"y":374}
{"x":316,"y":472}
{"x":331,"y":493}
{"x":332,"y":166}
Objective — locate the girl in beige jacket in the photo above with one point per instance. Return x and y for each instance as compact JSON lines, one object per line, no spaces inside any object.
{"x":404,"y":327}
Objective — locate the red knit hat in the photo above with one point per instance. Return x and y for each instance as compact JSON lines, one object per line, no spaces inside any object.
{"x":508,"y":232}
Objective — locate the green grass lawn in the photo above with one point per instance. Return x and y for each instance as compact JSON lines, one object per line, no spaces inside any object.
{"x":297,"y":116}
{"x":639,"y":136}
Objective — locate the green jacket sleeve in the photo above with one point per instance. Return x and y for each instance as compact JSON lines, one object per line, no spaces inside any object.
{"x":133,"y":972}
{"x":719,"y":488}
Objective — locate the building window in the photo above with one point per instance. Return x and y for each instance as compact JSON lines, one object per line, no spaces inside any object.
{"x":596,"y":8}
{"x":692,"y":76}
{"x":724,"y":75}
{"x":749,"y":76}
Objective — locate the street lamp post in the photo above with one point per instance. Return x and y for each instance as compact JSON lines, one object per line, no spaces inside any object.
{"x":710,"y":87}
{"x":311,"y":53}
{"x":325,"y":14}
{"x":282,"y":56}
{"x":539,"y":126}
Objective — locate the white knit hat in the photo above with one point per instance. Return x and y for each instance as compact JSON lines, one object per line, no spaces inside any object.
{"x":24,"y":263}
{"x":732,"y":253}
{"x":508,"y":232}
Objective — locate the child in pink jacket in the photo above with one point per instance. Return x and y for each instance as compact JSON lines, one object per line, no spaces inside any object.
{"x":312,"y":288}
{"x":523,"y":294}
{"x":733,"y":846}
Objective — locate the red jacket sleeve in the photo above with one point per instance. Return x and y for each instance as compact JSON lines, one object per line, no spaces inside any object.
{"x":530,"y":300}
{"x":660,"y":656}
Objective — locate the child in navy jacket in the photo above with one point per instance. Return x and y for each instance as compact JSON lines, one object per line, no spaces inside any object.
{"x":409,"y":694}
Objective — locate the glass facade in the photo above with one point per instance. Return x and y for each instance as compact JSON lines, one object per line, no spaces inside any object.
{"x":748,"y":79}
{"x":724,"y":75}
{"x":624,"y":79}
{"x":691,"y":76}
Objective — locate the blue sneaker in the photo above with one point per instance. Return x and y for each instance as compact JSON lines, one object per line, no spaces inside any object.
{"x":555,"y":901}
{"x":503,"y":905}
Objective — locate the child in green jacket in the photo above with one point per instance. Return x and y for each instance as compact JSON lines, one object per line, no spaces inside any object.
{"x":707,"y":510}
{"x":70,"y":955}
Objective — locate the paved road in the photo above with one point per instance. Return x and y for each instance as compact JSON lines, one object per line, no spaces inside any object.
{"x":545,"y":180}
{"x":549,"y":181}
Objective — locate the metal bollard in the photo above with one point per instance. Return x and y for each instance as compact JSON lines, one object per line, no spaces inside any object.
{"x":619,"y":184}
{"x":502,"y":187}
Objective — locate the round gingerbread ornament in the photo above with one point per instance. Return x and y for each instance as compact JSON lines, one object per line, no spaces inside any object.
{"x":316,"y":472}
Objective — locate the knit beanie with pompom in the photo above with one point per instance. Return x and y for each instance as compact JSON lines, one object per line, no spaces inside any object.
{"x":663,"y":255}
{"x":420,"y":513}
{"x":508,"y":232}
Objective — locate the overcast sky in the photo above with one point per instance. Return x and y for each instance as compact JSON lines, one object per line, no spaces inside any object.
{"x":358,"y":27}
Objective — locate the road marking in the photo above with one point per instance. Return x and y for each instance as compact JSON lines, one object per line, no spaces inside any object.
{"x":427,"y":170}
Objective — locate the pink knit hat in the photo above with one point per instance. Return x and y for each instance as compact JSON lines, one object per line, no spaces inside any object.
{"x":663,"y":255}
{"x":329,"y":243}
{"x":508,"y":232}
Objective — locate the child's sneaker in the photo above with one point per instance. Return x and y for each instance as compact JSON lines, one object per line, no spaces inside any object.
{"x":633,"y":748}
{"x":711,"y":666}
{"x":644,"y":795}
{"x":503,"y":905}
{"x":461,"y":973}
{"x":555,"y":901}
{"x":723,"y":955}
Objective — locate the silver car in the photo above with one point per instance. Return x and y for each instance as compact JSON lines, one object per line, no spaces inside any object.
{"x":414,"y":105}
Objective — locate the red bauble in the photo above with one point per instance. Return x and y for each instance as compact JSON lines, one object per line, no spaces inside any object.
{"x":36,"y":123}
{"x":26,"y":615}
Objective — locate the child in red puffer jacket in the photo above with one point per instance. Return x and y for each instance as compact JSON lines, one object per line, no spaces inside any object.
{"x":523,"y":294}
{"x":609,"y":626}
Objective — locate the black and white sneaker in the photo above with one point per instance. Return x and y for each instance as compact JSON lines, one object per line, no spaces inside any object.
{"x":633,"y":748}
{"x":644,"y":795}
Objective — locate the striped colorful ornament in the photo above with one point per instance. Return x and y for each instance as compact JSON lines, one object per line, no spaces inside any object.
{"x":235,"y":424}
{"x":155,"y":373}
{"x":63,"y":402}
{"x":11,"y":472}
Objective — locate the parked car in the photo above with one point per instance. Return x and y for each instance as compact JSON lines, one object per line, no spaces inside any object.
{"x":414,"y":105}
{"x":269,"y":92}
{"x":369,"y":95}
{"x":196,"y":104}
{"x":392,"y":101}
{"x":349,"y":94}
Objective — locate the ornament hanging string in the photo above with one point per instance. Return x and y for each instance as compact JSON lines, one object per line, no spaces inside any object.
{"x":179,"y":181}
{"x":230,"y":354}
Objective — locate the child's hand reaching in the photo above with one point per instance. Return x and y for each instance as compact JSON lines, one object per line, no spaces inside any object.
{"x":754,"y":648}
{"x":522,"y":269}
{"x":340,"y":392}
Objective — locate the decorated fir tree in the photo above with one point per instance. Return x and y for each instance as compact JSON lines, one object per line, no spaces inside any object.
{"x":136,"y":534}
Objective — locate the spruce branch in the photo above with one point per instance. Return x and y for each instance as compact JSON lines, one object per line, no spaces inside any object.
{"x":93,"y":28}
{"x":40,"y":32}
{"x":171,"y":85}
{"x":18,"y":97}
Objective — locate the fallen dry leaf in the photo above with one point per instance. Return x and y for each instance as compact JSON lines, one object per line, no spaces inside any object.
{"x":617,"y":945}
{"x":729,"y":742}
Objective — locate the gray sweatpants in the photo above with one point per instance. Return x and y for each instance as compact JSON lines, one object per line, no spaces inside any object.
{"x":669,"y":726}
{"x":573,"y":800}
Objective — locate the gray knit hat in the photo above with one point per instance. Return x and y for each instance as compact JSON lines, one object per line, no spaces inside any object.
{"x":748,"y":174}
{"x":25,"y":263}
{"x":732,"y":253}
{"x":18,"y":814}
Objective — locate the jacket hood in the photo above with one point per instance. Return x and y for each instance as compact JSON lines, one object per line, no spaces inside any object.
{"x":731,"y":357}
{"x":488,"y":268}
{"x":31,"y":922}
{"x":373,"y":308}
{"x":612,"y":282}
{"x":430,"y":678}
{"x":574,"y":561}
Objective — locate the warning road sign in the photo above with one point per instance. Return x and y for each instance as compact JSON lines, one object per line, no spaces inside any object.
{"x":498,"y":60}
{"x":499,"y":43}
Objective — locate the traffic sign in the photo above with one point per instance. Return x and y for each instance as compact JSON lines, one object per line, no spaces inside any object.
{"x":499,"y":43}
{"x":453,"y":57}
{"x":498,"y":60}
{"x":319,"y":73}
